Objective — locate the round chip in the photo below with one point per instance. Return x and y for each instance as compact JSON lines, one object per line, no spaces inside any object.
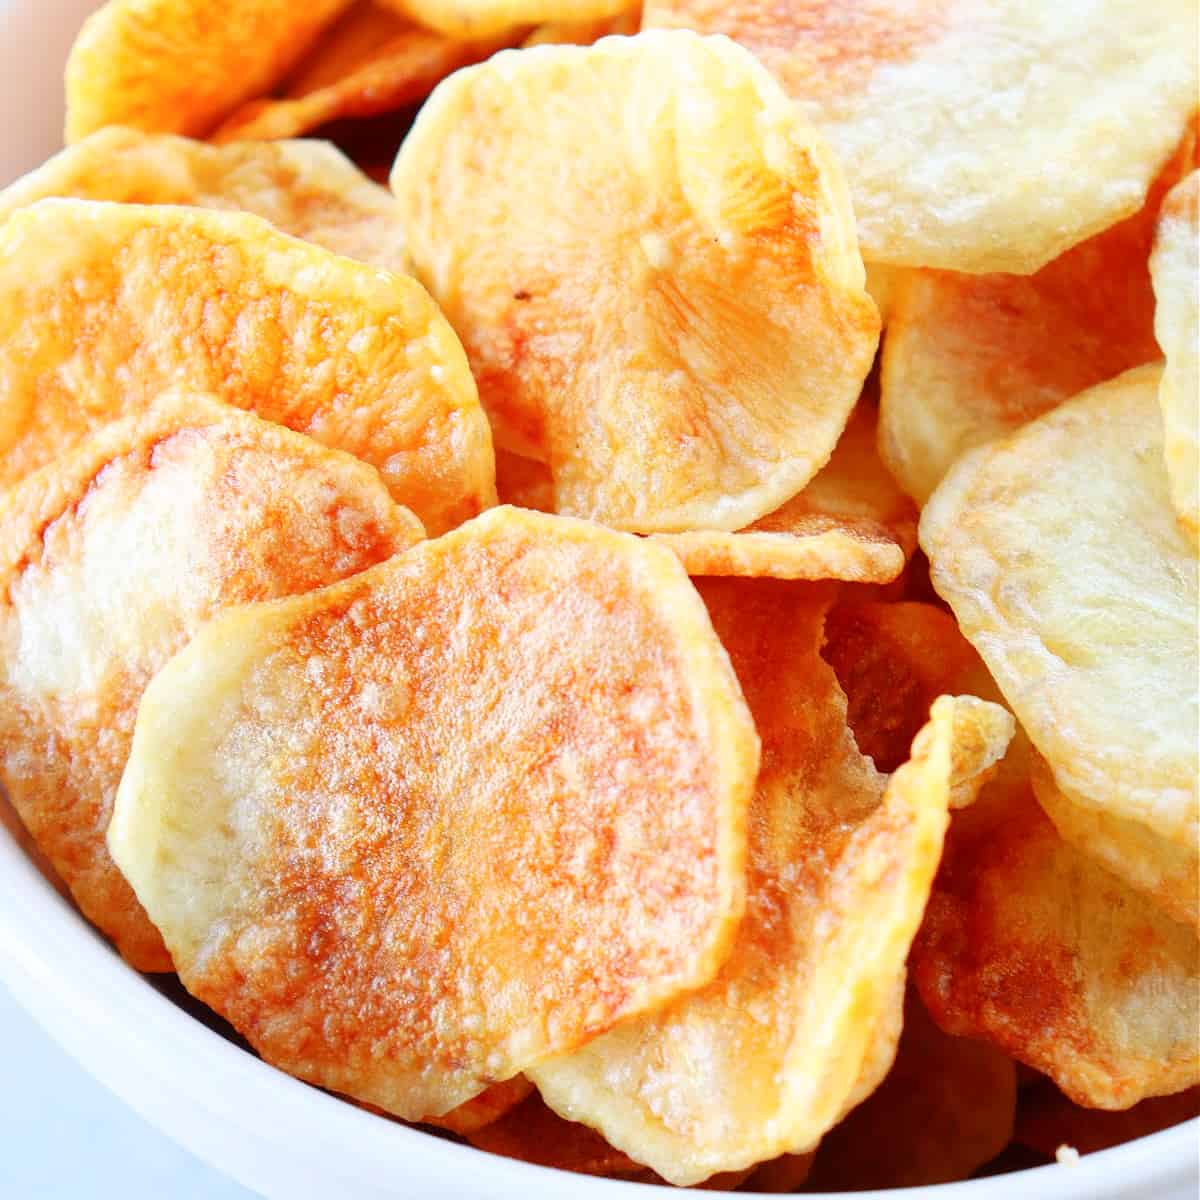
{"x":1057,"y":548}
{"x":481,"y":18}
{"x":767,"y":1058}
{"x":1030,"y":944}
{"x":688,"y":356}
{"x":968,"y":358}
{"x":371,"y":62}
{"x":113,"y":556}
{"x":179,"y":66}
{"x":1175,"y":266}
{"x":308,"y":189}
{"x":104,"y":305}
{"x":977,"y":136}
{"x":365,"y":820}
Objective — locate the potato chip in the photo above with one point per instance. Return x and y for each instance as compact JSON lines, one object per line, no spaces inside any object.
{"x":307,"y":189}
{"x":688,"y":356}
{"x":523,"y":482}
{"x":519,"y":744}
{"x":113,"y":556}
{"x":179,"y":66}
{"x":786,"y":1173}
{"x":482,"y":18}
{"x":1032,"y":945}
{"x":104,"y":305}
{"x":1058,"y":550}
{"x":971,"y":357}
{"x":976,"y":138}
{"x":1175,"y":267}
{"x":486,"y":1109}
{"x":764,"y":1060}
{"x":946,"y":1107}
{"x":1046,"y":1119}
{"x":584,"y":33}
{"x":372,"y":62}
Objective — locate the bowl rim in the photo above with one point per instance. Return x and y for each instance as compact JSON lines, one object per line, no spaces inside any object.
{"x":47,"y":949}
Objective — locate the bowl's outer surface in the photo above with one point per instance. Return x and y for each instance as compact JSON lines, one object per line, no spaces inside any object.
{"x":273,"y":1134}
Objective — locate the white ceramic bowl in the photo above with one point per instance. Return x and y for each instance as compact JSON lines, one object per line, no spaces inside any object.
{"x":273,"y":1134}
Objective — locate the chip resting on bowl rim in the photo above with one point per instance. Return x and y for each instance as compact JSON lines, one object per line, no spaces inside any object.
{"x":179,"y":66}
{"x":113,"y":555}
{"x":686,"y":359}
{"x":519,"y":744}
{"x":306,"y":188}
{"x":977,"y":137}
{"x":1058,"y":550}
{"x":130,"y":300}
{"x":768,"y":1057}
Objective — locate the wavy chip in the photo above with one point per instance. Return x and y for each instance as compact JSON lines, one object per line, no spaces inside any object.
{"x":1032,"y":945}
{"x":521,"y":743}
{"x":923,"y":103}
{"x":308,"y":189}
{"x":113,"y":556}
{"x":690,"y":359}
{"x":104,"y":305}
{"x":483,"y":18}
{"x":371,"y":62}
{"x":1175,"y":267}
{"x":969,"y":358}
{"x":946,"y":1107}
{"x":1058,"y":550}
{"x":765,"y":1059}
{"x":180,"y":66}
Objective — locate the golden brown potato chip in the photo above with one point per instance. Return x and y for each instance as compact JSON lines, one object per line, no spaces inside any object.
{"x":307,"y":189}
{"x":1046,"y":1119}
{"x":179,"y":66}
{"x":517,"y":745}
{"x":584,"y":33}
{"x":371,"y":62}
{"x":977,"y":137}
{"x":482,"y":18}
{"x":1057,"y":548}
{"x":946,"y":1107}
{"x":113,"y":556}
{"x":523,"y":482}
{"x":686,"y":358}
{"x":1175,"y":267}
{"x":1032,"y":945}
{"x":970,"y":357}
{"x":485,"y":1109}
{"x":764,"y":1060}
{"x":104,"y":305}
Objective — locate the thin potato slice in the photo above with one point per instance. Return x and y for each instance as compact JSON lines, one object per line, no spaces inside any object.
{"x":1059,"y":552}
{"x":1175,"y":267}
{"x":766,"y":1058}
{"x":976,"y":136}
{"x":946,"y":1107}
{"x":104,"y":305}
{"x":366,"y":820}
{"x":180,"y":66}
{"x":585,"y":32}
{"x":307,"y":189}
{"x":483,"y":18}
{"x":373,"y":61}
{"x":112,"y":557}
{"x":687,"y":358}
{"x":1034,"y":946}
{"x":971,"y":357}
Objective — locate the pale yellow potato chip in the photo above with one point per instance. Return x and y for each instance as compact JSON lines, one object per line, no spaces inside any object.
{"x":308,"y":189}
{"x":1175,"y":267}
{"x":1058,"y":550}
{"x":180,"y":66}
{"x":482,"y":18}
{"x":765,"y":1059}
{"x":366,"y":820}
{"x":946,"y":1107}
{"x":1032,"y":945}
{"x":968,"y":358}
{"x":104,"y":305}
{"x":371,"y":62}
{"x":977,"y":136}
{"x":113,"y":556}
{"x":688,"y":356}
{"x":585,"y":32}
